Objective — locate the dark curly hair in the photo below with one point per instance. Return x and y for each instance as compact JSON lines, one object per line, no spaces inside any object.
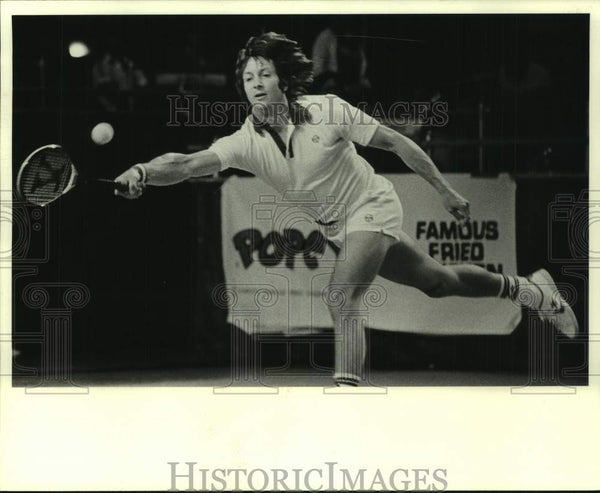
{"x":293,"y":68}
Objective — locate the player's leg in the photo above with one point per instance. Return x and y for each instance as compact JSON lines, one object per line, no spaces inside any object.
{"x":363,"y":253}
{"x":406,"y":263}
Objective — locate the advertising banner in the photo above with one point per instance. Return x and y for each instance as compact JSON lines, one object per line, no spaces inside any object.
{"x":278,"y":262}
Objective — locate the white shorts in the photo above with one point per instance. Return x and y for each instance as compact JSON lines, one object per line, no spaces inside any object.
{"x":379,"y":210}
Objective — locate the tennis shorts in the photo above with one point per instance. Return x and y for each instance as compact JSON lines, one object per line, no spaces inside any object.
{"x":378,"y":210}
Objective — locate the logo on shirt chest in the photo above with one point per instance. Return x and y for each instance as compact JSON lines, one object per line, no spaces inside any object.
{"x":316,"y":139}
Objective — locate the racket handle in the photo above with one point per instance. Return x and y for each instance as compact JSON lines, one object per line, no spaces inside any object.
{"x":121,"y":187}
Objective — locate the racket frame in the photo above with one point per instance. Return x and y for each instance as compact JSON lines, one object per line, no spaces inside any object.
{"x":70,"y":185}
{"x":72,"y":179}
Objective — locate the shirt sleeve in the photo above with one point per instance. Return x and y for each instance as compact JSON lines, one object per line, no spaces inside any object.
{"x":354,"y":124}
{"x":232,"y":151}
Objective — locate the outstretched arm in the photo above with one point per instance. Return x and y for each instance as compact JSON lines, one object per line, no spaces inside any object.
{"x":416,"y":159}
{"x":167,"y":169}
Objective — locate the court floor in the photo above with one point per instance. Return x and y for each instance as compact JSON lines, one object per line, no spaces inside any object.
{"x":222,"y":377}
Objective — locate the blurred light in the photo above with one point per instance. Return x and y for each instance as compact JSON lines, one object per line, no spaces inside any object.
{"x":78,"y":49}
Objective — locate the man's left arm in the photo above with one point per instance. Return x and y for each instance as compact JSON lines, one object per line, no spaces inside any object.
{"x":416,"y":159}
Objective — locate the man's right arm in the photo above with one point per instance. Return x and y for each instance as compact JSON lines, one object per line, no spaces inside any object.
{"x":168,"y":169}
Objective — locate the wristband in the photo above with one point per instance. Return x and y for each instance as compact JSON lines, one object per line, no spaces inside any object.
{"x":143,"y":173}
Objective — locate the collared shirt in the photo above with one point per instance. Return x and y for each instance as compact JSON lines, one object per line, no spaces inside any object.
{"x":319,"y":157}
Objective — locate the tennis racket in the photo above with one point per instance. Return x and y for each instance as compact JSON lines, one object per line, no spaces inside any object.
{"x":49,"y":173}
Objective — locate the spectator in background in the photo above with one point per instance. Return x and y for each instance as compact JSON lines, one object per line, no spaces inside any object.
{"x":114,"y":77}
{"x":525,"y":90}
{"x":526,"y":77}
{"x":324,"y":57}
{"x":340,"y":62}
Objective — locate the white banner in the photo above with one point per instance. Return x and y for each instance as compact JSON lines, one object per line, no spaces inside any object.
{"x":277,"y":263}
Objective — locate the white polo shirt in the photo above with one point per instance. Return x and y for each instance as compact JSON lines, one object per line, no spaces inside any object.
{"x":322,"y":157}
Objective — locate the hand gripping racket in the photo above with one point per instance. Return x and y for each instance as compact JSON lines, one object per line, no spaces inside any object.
{"x":48,"y":173}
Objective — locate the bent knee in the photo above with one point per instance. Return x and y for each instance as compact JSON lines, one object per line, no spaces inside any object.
{"x":441,"y":286}
{"x":438,"y":290}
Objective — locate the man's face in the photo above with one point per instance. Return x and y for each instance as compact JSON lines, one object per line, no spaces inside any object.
{"x":261,"y":82}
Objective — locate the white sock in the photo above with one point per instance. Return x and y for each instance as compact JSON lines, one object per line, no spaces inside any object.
{"x":521,"y":290}
{"x":346,"y":380}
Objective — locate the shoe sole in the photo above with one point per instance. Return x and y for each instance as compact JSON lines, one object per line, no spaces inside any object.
{"x":565,"y":320}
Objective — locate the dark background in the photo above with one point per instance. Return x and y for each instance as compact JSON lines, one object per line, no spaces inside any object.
{"x":151,"y":264}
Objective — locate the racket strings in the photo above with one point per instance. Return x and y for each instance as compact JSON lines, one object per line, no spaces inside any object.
{"x":46,"y":175}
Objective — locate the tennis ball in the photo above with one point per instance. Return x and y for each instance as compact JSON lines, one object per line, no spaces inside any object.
{"x":78,"y":49}
{"x":102,"y":133}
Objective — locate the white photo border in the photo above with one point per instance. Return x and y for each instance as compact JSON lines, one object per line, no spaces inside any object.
{"x":123,"y":438}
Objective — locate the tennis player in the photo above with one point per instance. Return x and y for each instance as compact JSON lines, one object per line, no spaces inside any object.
{"x":293,"y":141}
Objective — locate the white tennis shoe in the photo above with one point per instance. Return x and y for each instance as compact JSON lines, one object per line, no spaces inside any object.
{"x":553,"y":306}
